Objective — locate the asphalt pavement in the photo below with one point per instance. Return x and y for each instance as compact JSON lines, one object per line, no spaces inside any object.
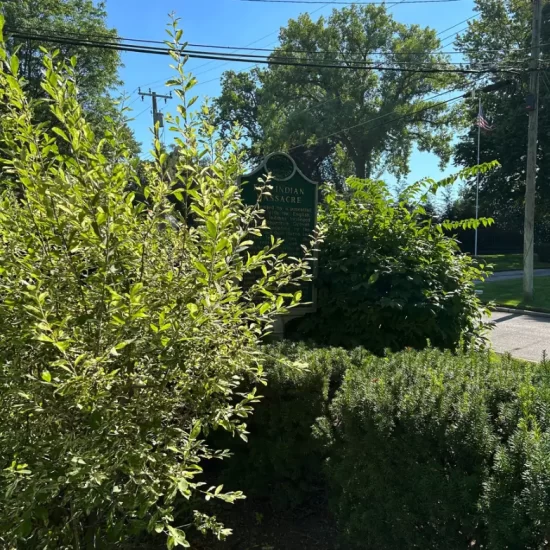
{"x":523,"y":336}
{"x":516,"y":274}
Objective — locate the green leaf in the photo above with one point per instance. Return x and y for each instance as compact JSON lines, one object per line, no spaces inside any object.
{"x":61,"y":133}
{"x":183,"y":486}
{"x":201,"y":267}
{"x":196,"y":430}
{"x":46,"y":376}
{"x":101,"y":217}
{"x":222,"y":243}
{"x":374,"y":277}
{"x":178,"y":537}
{"x":62,"y":346}
{"x":211,"y":228}
{"x":14,"y":65}
{"x":136,"y":289}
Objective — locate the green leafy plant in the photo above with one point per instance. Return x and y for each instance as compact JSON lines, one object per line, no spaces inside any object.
{"x":418,"y":449}
{"x":125,"y":333}
{"x":412,"y":458}
{"x":283,"y":460}
{"x":389,"y":276}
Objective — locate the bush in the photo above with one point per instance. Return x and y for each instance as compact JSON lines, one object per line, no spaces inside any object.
{"x":389,"y":278}
{"x":283,"y":460}
{"x":516,"y":500}
{"x":125,"y":335}
{"x":433,"y":450}
{"x":543,"y":251}
{"x":419,"y":449}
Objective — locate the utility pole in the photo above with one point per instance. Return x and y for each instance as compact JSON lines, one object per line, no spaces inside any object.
{"x":158,"y":120}
{"x":531,"y":176}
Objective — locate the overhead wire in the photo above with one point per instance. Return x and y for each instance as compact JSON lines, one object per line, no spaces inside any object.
{"x":271,"y":60}
{"x":141,"y":112}
{"x":229,"y":58}
{"x":223,"y":47}
{"x":237,"y":48}
{"x":406,"y":115}
{"x":86,"y":36}
{"x":250,"y":44}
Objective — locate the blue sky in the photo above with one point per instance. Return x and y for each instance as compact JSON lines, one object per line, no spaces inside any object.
{"x":232,"y":22}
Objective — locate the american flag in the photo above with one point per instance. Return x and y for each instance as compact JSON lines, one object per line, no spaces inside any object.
{"x":482,"y":122}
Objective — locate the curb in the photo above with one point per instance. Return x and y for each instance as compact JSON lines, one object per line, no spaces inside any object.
{"x":522,"y":312}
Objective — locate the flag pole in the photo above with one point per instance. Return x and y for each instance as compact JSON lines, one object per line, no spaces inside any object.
{"x":477,"y":179}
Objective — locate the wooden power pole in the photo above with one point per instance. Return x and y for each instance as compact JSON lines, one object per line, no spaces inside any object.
{"x":158,"y":121}
{"x":531,"y":176}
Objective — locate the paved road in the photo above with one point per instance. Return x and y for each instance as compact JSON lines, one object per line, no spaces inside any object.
{"x":506,"y":275}
{"x":524,"y":336}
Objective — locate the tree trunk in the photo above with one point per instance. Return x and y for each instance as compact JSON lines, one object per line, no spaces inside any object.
{"x":360,"y":167}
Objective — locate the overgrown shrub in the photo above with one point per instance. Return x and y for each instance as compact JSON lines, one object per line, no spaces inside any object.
{"x":125,"y":335}
{"x":283,"y":459}
{"x":390,"y":278}
{"x":434,"y":450}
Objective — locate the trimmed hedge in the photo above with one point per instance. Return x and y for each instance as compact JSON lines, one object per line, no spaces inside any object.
{"x":414,"y":440}
{"x":414,"y":450}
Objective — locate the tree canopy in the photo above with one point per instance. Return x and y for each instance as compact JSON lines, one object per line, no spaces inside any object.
{"x":96,"y":73}
{"x":97,"y":69}
{"x":329,"y":118}
{"x":502,"y":191}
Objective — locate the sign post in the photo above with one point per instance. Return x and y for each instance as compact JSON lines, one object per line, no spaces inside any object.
{"x":290,"y":213}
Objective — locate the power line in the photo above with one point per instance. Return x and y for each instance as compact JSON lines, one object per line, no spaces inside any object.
{"x":198,"y":54}
{"x":236,"y":48}
{"x":212,"y":46}
{"x":249,"y":44}
{"x":388,"y":114}
{"x":406,"y":115}
{"x":346,"y":60}
{"x":86,"y":36}
{"x":457,"y":24}
{"x":141,"y":113}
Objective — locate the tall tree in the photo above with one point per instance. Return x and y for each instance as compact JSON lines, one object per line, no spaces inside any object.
{"x":501,"y":36}
{"x":369,"y":119}
{"x":97,"y":69}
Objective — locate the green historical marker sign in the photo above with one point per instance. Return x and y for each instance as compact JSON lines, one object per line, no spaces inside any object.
{"x":290,"y":211}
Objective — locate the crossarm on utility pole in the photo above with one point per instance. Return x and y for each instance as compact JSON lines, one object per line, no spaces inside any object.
{"x":157,"y":116}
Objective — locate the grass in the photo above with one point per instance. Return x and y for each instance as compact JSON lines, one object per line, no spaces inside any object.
{"x":510,"y":293}
{"x":509,"y":262}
